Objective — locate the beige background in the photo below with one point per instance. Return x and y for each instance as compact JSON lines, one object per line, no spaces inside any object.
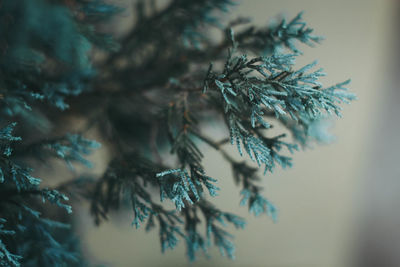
{"x":321,"y":198}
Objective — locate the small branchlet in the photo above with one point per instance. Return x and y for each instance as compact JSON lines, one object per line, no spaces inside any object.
{"x":278,"y":35}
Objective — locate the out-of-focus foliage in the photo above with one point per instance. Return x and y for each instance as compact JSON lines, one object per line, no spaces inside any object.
{"x":44,"y":59}
{"x":149,"y":96}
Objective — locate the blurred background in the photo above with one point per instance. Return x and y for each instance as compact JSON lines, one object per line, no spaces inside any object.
{"x":338,"y":204}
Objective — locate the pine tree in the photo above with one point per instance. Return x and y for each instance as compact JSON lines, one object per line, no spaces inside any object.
{"x":149,"y":94}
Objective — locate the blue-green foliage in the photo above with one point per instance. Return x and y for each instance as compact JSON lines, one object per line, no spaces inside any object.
{"x":44,"y":59}
{"x":132,"y":187}
{"x":99,"y":10}
{"x":72,"y":148}
{"x":34,"y":23}
{"x":258,"y":204}
{"x":185,"y":183}
{"x":45,"y":53}
{"x":214,"y":219}
{"x":12,"y":173}
{"x":252,"y":88}
{"x":150,"y":85}
{"x":178,"y":191}
{"x":41,"y":39}
{"x":251,"y":91}
{"x":6,"y":257}
{"x":47,"y":243}
{"x":278,"y":35}
{"x":197,"y":14}
{"x":176,"y":184}
{"x":17,"y":181}
{"x":34,"y":239}
{"x":186,"y":20}
{"x":249,"y":94}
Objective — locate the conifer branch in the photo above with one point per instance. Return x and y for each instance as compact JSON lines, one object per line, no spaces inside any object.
{"x":152,"y":93}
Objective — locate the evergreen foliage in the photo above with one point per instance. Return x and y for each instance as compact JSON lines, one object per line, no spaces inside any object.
{"x":149,"y":96}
